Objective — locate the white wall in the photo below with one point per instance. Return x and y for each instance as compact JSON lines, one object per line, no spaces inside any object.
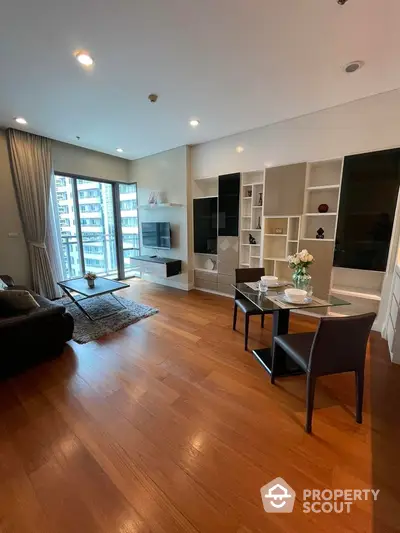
{"x":364,"y":125}
{"x":88,"y":163}
{"x":167,"y":172}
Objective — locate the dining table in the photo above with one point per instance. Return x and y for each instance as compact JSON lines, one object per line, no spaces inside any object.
{"x":274,"y":302}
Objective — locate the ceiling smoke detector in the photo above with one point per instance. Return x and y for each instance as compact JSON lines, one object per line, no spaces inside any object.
{"x":353,"y":66}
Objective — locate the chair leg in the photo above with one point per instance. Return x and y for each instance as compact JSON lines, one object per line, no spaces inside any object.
{"x":246,"y":330}
{"x":359,"y":395}
{"x":311,"y":381}
{"x":234,"y":316}
{"x":262,"y":320}
{"x":275,"y":350}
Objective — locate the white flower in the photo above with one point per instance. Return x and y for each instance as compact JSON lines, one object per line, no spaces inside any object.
{"x":296,"y":260}
{"x":310,"y":258}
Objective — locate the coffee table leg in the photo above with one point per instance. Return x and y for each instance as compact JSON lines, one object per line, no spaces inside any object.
{"x":77,"y":303}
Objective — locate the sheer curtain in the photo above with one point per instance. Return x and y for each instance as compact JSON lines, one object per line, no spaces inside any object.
{"x":53,"y":238}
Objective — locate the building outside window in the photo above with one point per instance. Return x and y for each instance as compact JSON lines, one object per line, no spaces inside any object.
{"x":95,"y":210}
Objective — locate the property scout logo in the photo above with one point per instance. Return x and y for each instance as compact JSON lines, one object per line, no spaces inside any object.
{"x":279,"y":497}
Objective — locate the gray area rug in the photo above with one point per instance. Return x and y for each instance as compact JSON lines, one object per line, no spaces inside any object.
{"x":86,"y":330}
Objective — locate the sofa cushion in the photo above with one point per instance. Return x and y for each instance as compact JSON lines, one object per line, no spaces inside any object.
{"x":16,"y":301}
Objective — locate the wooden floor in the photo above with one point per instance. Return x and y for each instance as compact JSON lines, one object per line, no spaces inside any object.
{"x":169,"y":426}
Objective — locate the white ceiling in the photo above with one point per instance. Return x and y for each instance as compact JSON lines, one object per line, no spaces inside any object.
{"x":234,"y":64}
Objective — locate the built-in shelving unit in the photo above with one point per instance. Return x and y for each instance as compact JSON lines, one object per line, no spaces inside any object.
{"x":205,"y":187}
{"x":280,"y":239}
{"x":251,"y":214}
{"x":322,"y":187}
{"x":159,"y":206}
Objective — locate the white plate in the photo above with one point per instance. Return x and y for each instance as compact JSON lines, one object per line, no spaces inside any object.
{"x":284,"y":298}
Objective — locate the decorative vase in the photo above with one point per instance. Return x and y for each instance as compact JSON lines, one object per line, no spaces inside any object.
{"x":90,"y":283}
{"x":260,"y":199}
{"x":323,"y":208}
{"x":301,"y":278}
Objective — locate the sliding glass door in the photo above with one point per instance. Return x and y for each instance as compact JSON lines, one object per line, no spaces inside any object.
{"x":127,"y":201}
{"x":98,"y":226}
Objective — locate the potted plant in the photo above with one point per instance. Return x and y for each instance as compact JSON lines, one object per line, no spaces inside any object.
{"x":90,"y":277}
{"x":300,"y":263}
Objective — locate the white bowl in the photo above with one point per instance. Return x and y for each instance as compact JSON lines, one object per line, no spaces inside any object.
{"x":269,"y":280}
{"x":296,"y":295}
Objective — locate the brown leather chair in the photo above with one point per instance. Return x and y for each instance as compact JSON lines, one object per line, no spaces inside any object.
{"x":244,"y":275}
{"x":339,"y":345}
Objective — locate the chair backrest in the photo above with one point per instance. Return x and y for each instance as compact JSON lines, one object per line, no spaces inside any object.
{"x":248,"y":274}
{"x":340,"y":344}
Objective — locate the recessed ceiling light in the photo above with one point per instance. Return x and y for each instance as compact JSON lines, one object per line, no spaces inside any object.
{"x":194,"y":122}
{"x":119,"y":150}
{"x":84,"y":58}
{"x":353,"y":66}
{"x":20,"y":120}
{"x":239,"y":149}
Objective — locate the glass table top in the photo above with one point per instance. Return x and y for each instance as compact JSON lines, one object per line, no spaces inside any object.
{"x":264,"y":302}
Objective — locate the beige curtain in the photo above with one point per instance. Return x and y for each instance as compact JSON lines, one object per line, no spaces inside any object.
{"x":30,"y":157}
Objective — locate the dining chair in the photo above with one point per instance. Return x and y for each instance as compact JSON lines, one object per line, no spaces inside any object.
{"x":339,"y":345}
{"x":244,"y":275}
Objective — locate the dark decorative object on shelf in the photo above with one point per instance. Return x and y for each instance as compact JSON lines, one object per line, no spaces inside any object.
{"x":323,"y":208}
{"x":252,"y":239}
{"x":249,"y":193}
{"x":260,"y":199}
{"x":259,"y":223}
{"x":320,"y":234}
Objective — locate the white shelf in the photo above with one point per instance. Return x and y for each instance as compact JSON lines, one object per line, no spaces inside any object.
{"x":245,"y":264}
{"x":247,"y":197}
{"x":275,"y":234}
{"x":257,"y":206}
{"x":293,"y":240}
{"x":314,"y":239}
{"x":320,"y":214}
{"x":254,"y":257}
{"x":322,"y":187}
{"x":158,"y":206}
{"x":246,"y":216}
{"x":206,"y":178}
{"x":204,"y":197}
{"x":251,"y":184}
{"x":275,"y":259}
{"x":251,"y":229}
{"x":206,"y":270}
{"x":197,"y":253}
{"x":357,"y":292}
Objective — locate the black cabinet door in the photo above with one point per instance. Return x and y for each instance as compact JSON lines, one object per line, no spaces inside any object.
{"x":228,"y":205}
{"x":205,"y":225}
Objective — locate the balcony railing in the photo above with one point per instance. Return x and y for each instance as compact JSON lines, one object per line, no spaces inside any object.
{"x":102,"y":259}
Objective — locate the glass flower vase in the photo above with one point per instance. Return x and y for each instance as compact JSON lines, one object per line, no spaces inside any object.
{"x":301,"y":279}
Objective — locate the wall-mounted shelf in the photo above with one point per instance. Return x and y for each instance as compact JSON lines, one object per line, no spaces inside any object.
{"x":320,"y":214}
{"x":317,"y":240}
{"x":323,"y":187}
{"x":275,"y":234}
{"x":159,"y":206}
{"x":203,"y":197}
{"x":206,"y":270}
{"x":251,"y":216}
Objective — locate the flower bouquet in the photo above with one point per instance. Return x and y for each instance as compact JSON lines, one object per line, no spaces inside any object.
{"x":90,"y":277}
{"x":300,"y":263}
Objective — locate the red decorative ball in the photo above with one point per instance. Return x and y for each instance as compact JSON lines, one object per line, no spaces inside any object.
{"x":323,"y":208}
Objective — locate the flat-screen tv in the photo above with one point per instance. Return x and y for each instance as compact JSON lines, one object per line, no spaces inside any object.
{"x":156,"y":235}
{"x":368,"y":198}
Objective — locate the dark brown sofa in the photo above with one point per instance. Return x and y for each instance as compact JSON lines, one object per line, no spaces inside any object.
{"x":40,"y":333}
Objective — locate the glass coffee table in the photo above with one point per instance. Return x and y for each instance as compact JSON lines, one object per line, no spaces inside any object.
{"x":272,"y":302}
{"x":101,"y":287}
